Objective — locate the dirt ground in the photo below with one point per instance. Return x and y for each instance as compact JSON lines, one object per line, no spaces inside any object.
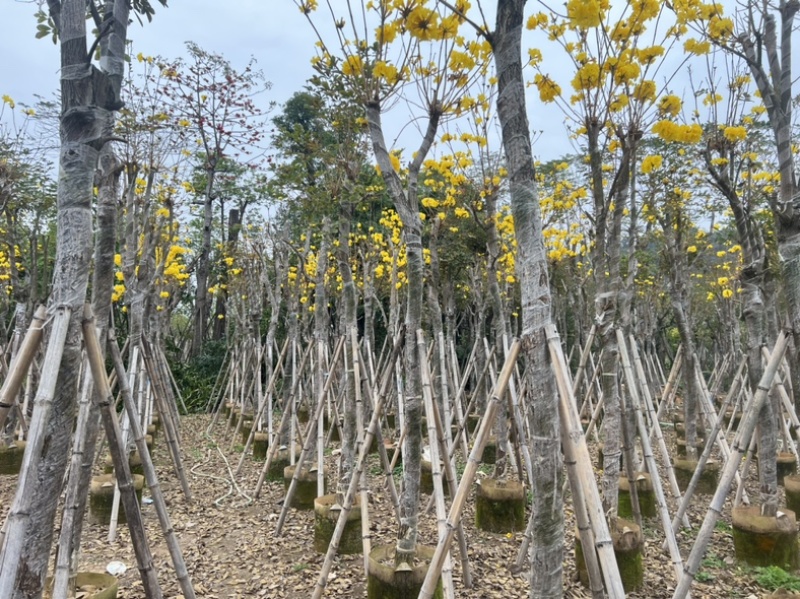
{"x":229,"y":543}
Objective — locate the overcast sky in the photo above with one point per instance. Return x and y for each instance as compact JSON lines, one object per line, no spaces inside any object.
{"x":272,"y":31}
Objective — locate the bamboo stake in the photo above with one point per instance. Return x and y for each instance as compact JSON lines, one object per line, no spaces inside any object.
{"x":443,"y":546}
{"x":572,"y":435}
{"x":587,"y":350}
{"x":153,"y":484}
{"x":670,"y":388}
{"x":787,"y":405}
{"x":21,"y":363}
{"x":213,"y":403}
{"x":162,"y":360}
{"x":288,"y":412}
{"x":701,"y":461}
{"x":119,"y":456}
{"x":710,"y":414}
{"x":436,"y":472}
{"x":666,"y":521}
{"x":741,"y":440}
{"x":355,"y":356}
{"x":374,"y":424}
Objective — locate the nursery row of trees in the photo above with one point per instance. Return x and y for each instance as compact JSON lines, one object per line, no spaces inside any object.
{"x":226,"y":218}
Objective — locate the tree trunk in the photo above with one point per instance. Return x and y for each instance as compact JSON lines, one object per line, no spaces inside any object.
{"x":201,"y":301}
{"x":407,"y":205}
{"x":88,"y":100}
{"x":349,"y":327}
{"x":547,"y":548}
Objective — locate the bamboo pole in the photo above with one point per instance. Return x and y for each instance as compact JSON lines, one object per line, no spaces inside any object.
{"x":21,"y":363}
{"x":374,"y":424}
{"x":18,"y":517}
{"x":572,"y":435}
{"x":464,"y":487}
{"x":710,"y":414}
{"x":670,"y":388}
{"x":587,"y":350}
{"x":701,"y":461}
{"x":262,"y":405}
{"x":104,"y":400}
{"x":213,"y":403}
{"x":787,"y":405}
{"x":288,"y":412}
{"x":741,"y":440}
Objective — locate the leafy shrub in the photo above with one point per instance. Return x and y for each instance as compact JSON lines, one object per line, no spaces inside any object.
{"x":197,"y":376}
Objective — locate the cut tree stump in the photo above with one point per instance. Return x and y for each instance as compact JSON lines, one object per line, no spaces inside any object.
{"x":325,"y":523}
{"x":500,"y":506}
{"x":709,"y":478}
{"x":306,"y":491}
{"x":763,"y":540}
{"x":101,"y":497}
{"x":11,"y":457}
{"x":644,"y":492}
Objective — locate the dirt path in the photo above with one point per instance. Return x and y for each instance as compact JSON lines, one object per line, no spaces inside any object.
{"x":231,"y":551}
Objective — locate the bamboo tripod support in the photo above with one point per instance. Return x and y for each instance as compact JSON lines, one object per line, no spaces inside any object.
{"x":119,"y":456}
{"x":703,"y":459}
{"x":661,"y":503}
{"x":216,"y":396}
{"x":308,"y":447}
{"x":670,"y":388}
{"x":710,"y":414}
{"x":741,"y":441}
{"x":438,"y":439}
{"x":453,"y":517}
{"x":288,"y":412}
{"x":151,"y":478}
{"x":374,"y":424}
{"x":787,"y":405}
{"x":572,"y":436}
{"x":436,"y":467}
{"x":18,"y":517}
{"x":168,"y":424}
{"x":262,"y":405}
{"x":654,"y":424}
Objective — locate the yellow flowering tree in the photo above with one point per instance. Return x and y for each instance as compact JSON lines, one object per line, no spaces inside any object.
{"x":389,"y":44}
{"x":761,"y":36}
{"x":614,"y":96}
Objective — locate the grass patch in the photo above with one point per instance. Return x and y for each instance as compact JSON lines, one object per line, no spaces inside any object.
{"x":713,"y":561}
{"x":773,"y":578}
{"x":723,"y":526}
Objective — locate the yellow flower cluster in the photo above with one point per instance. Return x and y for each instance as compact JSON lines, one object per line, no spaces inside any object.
{"x":735,"y":134}
{"x":549,"y":90}
{"x":651,"y":163}
{"x":585,"y":14}
{"x":673,"y":132}
{"x":670,"y":105}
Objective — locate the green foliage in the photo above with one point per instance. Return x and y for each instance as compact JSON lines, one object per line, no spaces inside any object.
{"x":773,"y":578}
{"x":704,"y":576}
{"x":196,"y":377}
